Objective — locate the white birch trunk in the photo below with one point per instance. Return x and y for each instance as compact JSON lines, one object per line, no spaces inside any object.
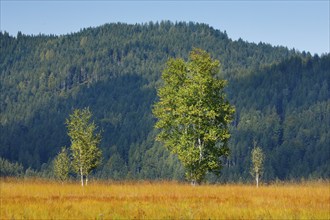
{"x":200,"y":149}
{"x":81,"y":177}
{"x":257,"y":179}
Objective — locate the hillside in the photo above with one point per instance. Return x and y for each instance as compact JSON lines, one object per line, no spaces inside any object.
{"x":281,"y":96}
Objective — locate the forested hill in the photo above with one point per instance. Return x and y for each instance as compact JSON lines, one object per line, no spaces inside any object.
{"x":281,"y":96}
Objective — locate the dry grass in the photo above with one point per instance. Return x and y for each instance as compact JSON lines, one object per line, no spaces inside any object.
{"x":49,"y":200}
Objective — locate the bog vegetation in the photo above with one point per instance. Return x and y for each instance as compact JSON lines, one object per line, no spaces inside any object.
{"x":36,"y":199}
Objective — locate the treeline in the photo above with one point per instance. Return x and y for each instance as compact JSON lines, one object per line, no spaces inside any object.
{"x":281,"y":98}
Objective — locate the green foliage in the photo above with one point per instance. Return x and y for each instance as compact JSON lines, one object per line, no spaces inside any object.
{"x":31,"y":173}
{"x":284,"y":107}
{"x":257,"y":158}
{"x":115,"y":168}
{"x":62,"y":165}
{"x":10,"y":169}
{"x":193,"y":114}
{"x":86,"y":155}
{"x":281,"y":98}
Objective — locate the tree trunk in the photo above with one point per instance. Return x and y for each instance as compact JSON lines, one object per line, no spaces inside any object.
{"x":193,"y":181}
{"x":81,"y":169}
{"x":86,"y":180}
{"x":200,"y":150}
{"x":257,"y":179}
{"x":81,"y":177}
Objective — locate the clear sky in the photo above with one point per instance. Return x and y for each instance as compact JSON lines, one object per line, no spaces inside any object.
{"x":303,"y":25}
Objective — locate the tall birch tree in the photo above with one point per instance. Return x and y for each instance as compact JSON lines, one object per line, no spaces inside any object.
{"x":86,"y":154}
{"x":257,"y":163}
{"x":193,"y":114}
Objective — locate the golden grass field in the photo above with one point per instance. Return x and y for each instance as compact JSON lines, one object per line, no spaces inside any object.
{"x":38,"y":199}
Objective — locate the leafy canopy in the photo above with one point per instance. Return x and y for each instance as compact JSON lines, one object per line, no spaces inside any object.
{"x":193,"y":114}
{"x":84,"y":142}
{"x":62,"y":165}
{"x":257,"y":161}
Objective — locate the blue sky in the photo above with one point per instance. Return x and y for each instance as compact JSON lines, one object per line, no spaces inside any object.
{"x":303,"y":25}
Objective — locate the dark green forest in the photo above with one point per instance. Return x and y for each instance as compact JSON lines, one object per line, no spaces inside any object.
{"x":281,"y":96}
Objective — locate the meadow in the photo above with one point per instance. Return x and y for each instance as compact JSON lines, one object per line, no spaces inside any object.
{"x":40,"y":199}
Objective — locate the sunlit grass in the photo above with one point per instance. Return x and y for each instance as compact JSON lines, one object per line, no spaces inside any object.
{"x":30,"y":199}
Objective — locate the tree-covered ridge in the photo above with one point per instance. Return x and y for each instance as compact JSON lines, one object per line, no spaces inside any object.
{"x":115,"y":70}
{"x":285,"y":108}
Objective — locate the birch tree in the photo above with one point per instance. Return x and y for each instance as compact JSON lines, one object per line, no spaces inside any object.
{"x":193,"y":114}
{"x":86,"y":155}
{"x":257,"y":163}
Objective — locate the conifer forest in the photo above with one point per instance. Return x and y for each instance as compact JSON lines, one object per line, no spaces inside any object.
{"x":281,"y":99}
